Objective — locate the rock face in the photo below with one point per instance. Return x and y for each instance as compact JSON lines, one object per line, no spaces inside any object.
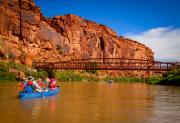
{"x":32,"y":37}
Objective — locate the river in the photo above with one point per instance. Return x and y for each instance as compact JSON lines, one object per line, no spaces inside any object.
{"x":94,"y":103}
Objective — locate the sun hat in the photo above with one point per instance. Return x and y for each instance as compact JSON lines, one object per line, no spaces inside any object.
{"x":31,"y":78}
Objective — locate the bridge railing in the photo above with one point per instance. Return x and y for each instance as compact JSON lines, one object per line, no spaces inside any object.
{"x":108,"y":64}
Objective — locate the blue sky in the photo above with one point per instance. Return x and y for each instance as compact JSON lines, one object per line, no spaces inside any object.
{"x":151,"y":22}
{"x":123,"y":16}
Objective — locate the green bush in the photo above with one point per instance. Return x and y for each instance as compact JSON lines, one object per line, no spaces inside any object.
{"x":7,"y":76}
{"x":171,"y":78}
{"x":67,"y":76}
{"x":154,"y":79}
{"x":4,"y":67}
{"x":40,"y":74}
{"x":70,"y":75}
{"x":20,"y":67}
{"x":124,"y":79}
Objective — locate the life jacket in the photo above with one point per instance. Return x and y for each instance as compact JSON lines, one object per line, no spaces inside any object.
{"x":30,"y":83}
{"x":41,"y":84}
{"x":22,"y":86}
{"x":28,"y":89}
{"x":53,"y":81}
{"x":52,"y":85}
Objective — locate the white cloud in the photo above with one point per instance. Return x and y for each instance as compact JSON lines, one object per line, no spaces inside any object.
{"x":164,"y":41}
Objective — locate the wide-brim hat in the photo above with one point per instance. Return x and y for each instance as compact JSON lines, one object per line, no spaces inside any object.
{"x":30,"y":78}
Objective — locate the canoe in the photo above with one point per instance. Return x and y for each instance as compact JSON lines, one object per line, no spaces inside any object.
{"x":23,"y":95}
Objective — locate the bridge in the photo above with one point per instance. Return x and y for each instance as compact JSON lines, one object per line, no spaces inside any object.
{"x":109,"y":64}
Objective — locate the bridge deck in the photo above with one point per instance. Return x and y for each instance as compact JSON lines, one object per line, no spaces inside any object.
{"x":109,"y":64}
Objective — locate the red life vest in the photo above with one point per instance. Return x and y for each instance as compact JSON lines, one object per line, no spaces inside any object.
{"x":41,"y":84}
{"x":22,"y":86}
{"x":30,"y":83}
{"x":52,"y":85}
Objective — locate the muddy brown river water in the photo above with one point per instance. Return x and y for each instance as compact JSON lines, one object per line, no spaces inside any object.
{"x":94,"y":103}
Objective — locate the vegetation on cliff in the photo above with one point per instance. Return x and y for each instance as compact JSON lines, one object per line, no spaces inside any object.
{"x":9,"y":71}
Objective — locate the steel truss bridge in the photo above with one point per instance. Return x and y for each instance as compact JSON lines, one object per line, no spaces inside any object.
{"x":109,"y":64}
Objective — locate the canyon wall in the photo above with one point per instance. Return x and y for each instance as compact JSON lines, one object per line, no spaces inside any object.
{"x":29,"y":36}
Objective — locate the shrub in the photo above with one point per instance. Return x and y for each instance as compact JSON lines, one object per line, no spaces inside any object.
{"x":40,"y":74}
{"x":11,"y":56}
{"x":70,"y":75}
{"x":7,"y":76}
{"x":67,"y":76}
{"x":20,"y":67}
{"x":124,"y":79}
{"x":171,"y":78}
{"x":154,"y":79}
{"x":4,"y":67}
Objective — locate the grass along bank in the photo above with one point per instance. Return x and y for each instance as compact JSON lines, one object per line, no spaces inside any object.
{"x":9,"y":71}
{"x":169,"y":78}
{"x":69,"y":75}
{"x":86,"y":76}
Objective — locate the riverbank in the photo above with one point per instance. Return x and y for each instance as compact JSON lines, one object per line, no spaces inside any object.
{"x":9,"y":71}
{"x":169,"y":78}
{"x":86,"y":76}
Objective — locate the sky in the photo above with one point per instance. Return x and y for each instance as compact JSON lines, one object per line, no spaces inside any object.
{"x":155,"y":23}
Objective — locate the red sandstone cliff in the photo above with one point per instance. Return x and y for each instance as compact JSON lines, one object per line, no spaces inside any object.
{"x":30,"y":36}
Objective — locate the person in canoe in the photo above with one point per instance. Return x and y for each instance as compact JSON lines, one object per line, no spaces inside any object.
{"x":46,"y":82}
{"x":23,"y":83}
{"x":32,"y":85}
{"x":37,"y":87}
{"x":40,"y":83}
{"x":29,"y":86}
{"x":21,"y":77}
{"x":52,"y":84}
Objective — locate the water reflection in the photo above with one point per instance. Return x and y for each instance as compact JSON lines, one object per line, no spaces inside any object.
{"x":102,"y":102}
{"x":94,"y":103}
{"x":34,"y":107}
